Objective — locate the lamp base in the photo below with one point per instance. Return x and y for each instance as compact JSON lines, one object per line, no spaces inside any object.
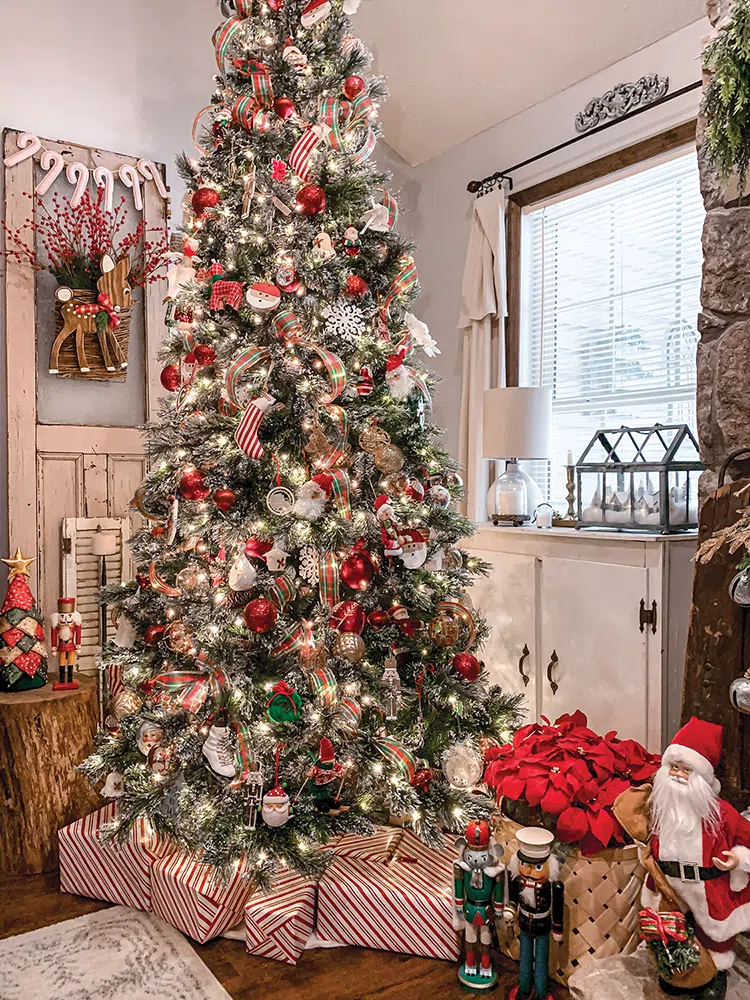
{"x":515,"y":519}
{"x":513,"y":495}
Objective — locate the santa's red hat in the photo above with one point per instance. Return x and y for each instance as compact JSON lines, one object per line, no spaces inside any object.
{"x":326,"y":754}
{"x":698,"y":744}
{"x":277,"y":792}
{"x":412,"y":540}
{"x":394,"y":362}
{"x":381,"y":501}
{"x":324,"y":481}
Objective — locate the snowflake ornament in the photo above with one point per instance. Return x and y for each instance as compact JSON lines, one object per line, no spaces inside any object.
{"x":351,"y":6}
{"x":421,"y":335}
{"x":308,"y":565}
{"x":345,"y":321}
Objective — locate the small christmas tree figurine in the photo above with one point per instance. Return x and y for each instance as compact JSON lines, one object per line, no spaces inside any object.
{"x":23,"y":654}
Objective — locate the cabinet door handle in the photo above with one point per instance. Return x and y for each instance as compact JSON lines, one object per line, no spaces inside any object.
{"x":554,"y":660}
{"x":525,"y":652}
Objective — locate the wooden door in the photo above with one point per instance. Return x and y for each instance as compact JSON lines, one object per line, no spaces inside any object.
{"x":593,"y":654}
{"x":507,"y":598}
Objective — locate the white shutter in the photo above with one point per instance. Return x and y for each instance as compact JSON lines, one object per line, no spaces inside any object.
{"x":611,"y":284}
{"x":81,"y":575}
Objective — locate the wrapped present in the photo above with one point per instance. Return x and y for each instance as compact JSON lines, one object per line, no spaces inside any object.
{"x":116,"y":873}
{"x":191,"y":896}
{"x":279,"y":924}
{"x":404,"y":903}
{"x":381,"y":846}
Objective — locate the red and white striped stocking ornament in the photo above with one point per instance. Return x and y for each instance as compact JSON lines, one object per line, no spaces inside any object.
{"x":246,"y":434}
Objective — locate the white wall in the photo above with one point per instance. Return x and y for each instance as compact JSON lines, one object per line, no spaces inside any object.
{"x":439,"y":207}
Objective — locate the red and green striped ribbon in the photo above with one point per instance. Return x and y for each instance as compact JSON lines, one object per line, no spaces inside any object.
{"x":334,"y":367}
{"x":348,"y":715}
{"x":404,"y":282}
{"x":328,"y":579}
{"x":342,"y":116}
{"x":243,"y":753}
{"x":395,"y":753}
{"x":282,"y":591}
{"x":260,"y":81}
{"x":247,"y":112}
{"x":366,"y":151}
{"x":331,"y":458}
{"x":405,"y":346}
{"x":227,"y":408}
{"x":249,"y":358}
{"x":323,"y":685}
{"x":392,"y":205}
{"x":296,"y":639}
{"x":287,"y":325}
{"x":159,"y":584}
{"x":192,"y":689}
{"x":341,"y":488}
{"x":244,"y":8}
{"x":223,"y":39}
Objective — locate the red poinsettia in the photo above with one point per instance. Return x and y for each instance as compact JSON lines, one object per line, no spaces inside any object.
{"x":572,"y":774}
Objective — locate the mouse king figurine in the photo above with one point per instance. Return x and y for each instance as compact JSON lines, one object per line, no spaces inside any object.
{"x":478,"y":878}
{"x":66,"y":638}
{"x":537,"y":896}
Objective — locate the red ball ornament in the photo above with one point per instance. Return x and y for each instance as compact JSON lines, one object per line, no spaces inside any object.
{"x":358,"y":569}
{"x":154,"y":634}
{"x":311,"y":200}
{"x":204,"y":355}
{"x":143,"y":581}
{"x":259,"y":615}
{"x":356,"y":286}
{"x":170,"y":378}
{"x":204,"y":199}
{"x":193,"y":485}
{"x":284,"y":107}
{"x":348,"y":616}
{"x":379,"y":618}
{"x":354,"y":86}
{"x":225,"y":499}
{"x":467,"y":666}
{"x":158,"y":530}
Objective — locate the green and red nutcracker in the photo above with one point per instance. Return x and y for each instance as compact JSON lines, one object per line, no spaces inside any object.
{"x":66,"y":638}
{"x":479,"y":887}
{"x":536,"y":896}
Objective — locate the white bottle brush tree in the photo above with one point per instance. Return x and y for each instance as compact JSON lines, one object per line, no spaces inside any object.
{"x":298,"y":650}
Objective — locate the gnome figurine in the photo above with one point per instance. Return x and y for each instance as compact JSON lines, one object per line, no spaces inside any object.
{"x":323,"y":774}
{"x":478,"y":879}
{"x":536,"y":896}
{"x":66,"y":638}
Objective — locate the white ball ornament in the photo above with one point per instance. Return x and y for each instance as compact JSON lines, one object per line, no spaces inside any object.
{"x":463,"y":766}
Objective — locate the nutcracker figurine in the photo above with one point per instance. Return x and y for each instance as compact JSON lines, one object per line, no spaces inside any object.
{"x":478,"y":878}
{"x":66,"y":638}
{"x":536,"y":895}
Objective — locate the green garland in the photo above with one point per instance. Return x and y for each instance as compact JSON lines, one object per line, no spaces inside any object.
{"x":726,"y":103}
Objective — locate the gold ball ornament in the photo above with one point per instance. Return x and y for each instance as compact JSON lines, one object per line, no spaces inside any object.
{"x":194,"y":580}
{"x":389,"y":458}
{"x":349,"y":646}
{"x":453,"y":558}
{"x":125,"y":703}
{"x":443,"y":630}
{"x":179,"y":638}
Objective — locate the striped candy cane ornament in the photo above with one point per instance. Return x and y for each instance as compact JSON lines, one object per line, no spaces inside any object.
{"x":246,"y":434}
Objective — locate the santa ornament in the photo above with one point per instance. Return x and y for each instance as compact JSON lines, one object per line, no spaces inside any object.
{"x":276,"y":808}
{"x":315,"y":12}
{"x":262,"y":296}
{"x":398,"y":377}
{"x":313,"y":497}
{"x":699,"y":863}
{"x":390,"y":532}
{"x":414,"y":548}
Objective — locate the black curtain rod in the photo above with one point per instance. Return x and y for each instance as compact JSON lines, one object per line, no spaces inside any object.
{"x":476,"y":187}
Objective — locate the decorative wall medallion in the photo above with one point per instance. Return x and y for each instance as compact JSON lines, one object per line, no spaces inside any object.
{"x":621,"y":100}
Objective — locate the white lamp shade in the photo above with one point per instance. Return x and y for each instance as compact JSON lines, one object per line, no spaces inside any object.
{"x":104,"y":543}
{"x":517,"y":423}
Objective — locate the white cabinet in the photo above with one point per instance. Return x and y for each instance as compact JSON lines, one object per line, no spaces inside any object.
{"x":576,"y":610}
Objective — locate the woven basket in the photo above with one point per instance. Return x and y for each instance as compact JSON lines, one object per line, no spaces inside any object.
{"x":602,"y":899}
{"x":68,"y":364}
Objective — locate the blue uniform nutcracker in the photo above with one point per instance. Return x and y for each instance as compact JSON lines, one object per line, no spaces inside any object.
{"x":478,"y":879}
{"x":536,"y":896}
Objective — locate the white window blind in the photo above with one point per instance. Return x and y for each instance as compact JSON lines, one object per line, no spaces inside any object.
{"x":610,"y":299}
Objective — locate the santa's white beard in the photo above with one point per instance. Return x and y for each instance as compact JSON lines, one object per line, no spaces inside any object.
{"x":678,"y":807}
{"x":399,"y":383}
{"x":276,"y":817}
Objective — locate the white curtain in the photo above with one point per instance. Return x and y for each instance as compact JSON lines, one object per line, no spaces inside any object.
{"x":482,"y":321}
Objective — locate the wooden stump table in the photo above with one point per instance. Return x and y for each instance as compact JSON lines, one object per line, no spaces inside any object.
{"x":44,"y":735}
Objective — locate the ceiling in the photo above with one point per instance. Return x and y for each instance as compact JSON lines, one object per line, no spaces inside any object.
{"x":457,"y":67}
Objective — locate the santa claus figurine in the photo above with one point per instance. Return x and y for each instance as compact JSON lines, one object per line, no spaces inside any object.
{"x":390,"y":531}
{"x":66,"y":638}
{"x":701,"y":845}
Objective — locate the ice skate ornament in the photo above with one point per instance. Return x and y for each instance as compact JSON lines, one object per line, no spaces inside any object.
{"x":66,"y":638}
{"x":478,"y":881}
{"x":699,"y":858}
{"x":536,"y":897}
{"x":219,"y":752}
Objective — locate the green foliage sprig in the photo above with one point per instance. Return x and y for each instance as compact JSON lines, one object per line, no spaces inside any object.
{"x":726,"y":103}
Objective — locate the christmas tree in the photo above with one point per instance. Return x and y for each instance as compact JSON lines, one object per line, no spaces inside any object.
{"x":23,"y":654}
{"x":299,"y":637}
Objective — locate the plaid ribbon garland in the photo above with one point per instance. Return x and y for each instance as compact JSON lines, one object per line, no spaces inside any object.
{"x":331,"y":458}
{"x":395,"y":753}
{"x":324,"y":686}
{"x":328,"y":579}
{"x":404,"y":282}
{"x":282,"y":591}
{"x":296,"y":639}
{"x":348,"y":715}
{"x":260,"y":80}
{"x":287,"y":325}
{"x":341,"y":117}
{"x":334,"y":367}
{"x":226,"y":293}
{"x":244,"y":8}
{"x":223,"y":37}
{"x":243,"y":753}
{"x":664,"y":927}
{"x":160,"y":585}
{"x":341,"y":488}
{"x":244,"y":362}
{"x":392,"y":205}
{"x":299,"y":158}
{"x":191,"y":690}
{"x":247,"y":112}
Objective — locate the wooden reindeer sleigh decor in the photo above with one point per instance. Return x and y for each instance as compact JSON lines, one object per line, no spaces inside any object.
{"x":93,"y":327}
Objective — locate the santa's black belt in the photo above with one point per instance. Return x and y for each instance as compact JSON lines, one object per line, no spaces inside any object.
{"x":689,"y":873}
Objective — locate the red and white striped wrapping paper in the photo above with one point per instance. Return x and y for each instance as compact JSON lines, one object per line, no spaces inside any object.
{"x":404,"y":905}
{"x":189,"y":896}
{"x":279,"y":925}
{"x":117,"y":873}
{"x":381,"y":846}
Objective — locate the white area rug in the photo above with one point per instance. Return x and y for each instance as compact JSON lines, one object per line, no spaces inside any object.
{"x":115,"y":954}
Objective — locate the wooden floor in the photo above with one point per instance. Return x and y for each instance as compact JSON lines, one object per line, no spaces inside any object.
{"x":32,"y":901}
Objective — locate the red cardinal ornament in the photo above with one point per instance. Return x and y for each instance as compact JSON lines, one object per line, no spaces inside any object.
{"x":421,"y":779}
{"x":467,"y":666}
{"x":204,"y":199}
{"x":204,"y":355}
{"x":225,"y":499}
{"x":356,"y":287}
{"x":354,"y":86}
{"x":193,"y":485}
{"x":311,"y":200}
{"x":358,"y":569}
{"x":259,"y":615}
{"x":170,"y":378}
